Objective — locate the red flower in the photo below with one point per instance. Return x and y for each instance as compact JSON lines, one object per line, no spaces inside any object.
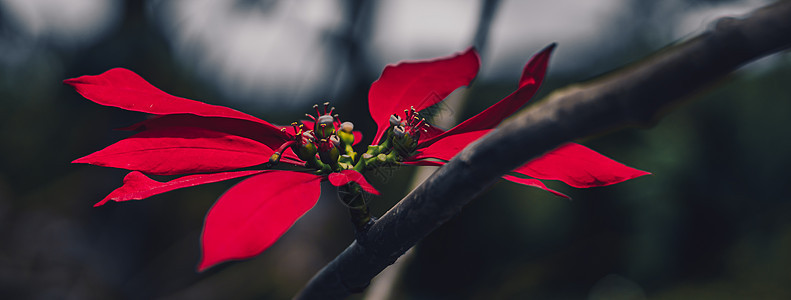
{"x":187,"y":137}
{"x":413,"y":86}
{"x":206,"y":143}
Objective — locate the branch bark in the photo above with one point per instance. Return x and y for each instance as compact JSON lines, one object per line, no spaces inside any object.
{"x":635,"y":94}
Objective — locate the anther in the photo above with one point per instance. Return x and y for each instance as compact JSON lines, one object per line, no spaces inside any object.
{"x":395,"y":120}
{"x":398,"y":131}
{"x":419,"y":123}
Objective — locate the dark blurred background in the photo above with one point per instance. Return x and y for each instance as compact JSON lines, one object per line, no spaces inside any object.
{"x":714,"y":222}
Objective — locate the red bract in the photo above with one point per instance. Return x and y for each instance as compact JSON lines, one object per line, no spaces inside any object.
{"x":572,"y":163}
{"x":188,"y":136}
{"x":418,"y":84}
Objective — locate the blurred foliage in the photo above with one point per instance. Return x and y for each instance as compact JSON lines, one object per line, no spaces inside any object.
{"x":714,"y":222}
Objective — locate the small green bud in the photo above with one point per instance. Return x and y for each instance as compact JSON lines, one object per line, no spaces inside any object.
{"x":347,"y":127}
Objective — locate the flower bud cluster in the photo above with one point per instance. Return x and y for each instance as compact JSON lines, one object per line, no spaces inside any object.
{"x":322,"y":146}
{"x":325,"y":143}
{"x":406,"y":131}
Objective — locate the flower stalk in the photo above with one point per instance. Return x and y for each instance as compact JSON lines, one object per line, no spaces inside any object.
{"x":353,"y":197}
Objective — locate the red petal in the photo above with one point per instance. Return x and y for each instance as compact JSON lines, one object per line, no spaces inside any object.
{"x":532,"y":76}
{"x":270,"y":136}
{"x":579,"y":166}
{"x":124,"y":89}
{"x":536,"y":67}
{"x":137,"y":186}
{"x":420,"y":84}
{"x":431,"y":132}
{"x":180,"y":150}
{"x":449,"y":146}
{"x":358,"y":137}
{"x":253,"y":214}
{"x":346,"y":176}
{"x":534,"y":183}
{"x":429,"y":163}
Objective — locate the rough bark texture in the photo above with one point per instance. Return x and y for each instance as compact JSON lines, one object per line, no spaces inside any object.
{"x":636,"y":94}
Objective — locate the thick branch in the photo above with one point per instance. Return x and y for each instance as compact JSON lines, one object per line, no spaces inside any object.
{"x":634,"y":94}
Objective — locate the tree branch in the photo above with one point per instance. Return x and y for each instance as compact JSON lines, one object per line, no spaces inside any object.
{"x":636,"y":94}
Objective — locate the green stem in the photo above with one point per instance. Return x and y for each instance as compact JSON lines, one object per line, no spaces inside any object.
{"x":352,"y":196}
{"x":321,"y":167}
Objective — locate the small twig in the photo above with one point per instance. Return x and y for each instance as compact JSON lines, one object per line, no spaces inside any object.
{"x":636,"y":94}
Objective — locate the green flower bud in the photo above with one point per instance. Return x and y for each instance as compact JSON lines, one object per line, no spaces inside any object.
{"x":329,"y":152}
{"x":345,"y":134}
{"x":324,"y":127}
{"x":403,"y":142}
{"x":306,"y":148}
{"x":330,"y":156}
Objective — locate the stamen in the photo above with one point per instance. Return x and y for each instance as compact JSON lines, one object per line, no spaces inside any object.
{"x":326,"y":105}
{"x":284,"y":146}
{"x":331,"y":109}
{"x":316,"y":107}
{"x":294,"y":125}
{"x":311,"y":116}
{"x":336,"y":121}
{"x":419,"y":123}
